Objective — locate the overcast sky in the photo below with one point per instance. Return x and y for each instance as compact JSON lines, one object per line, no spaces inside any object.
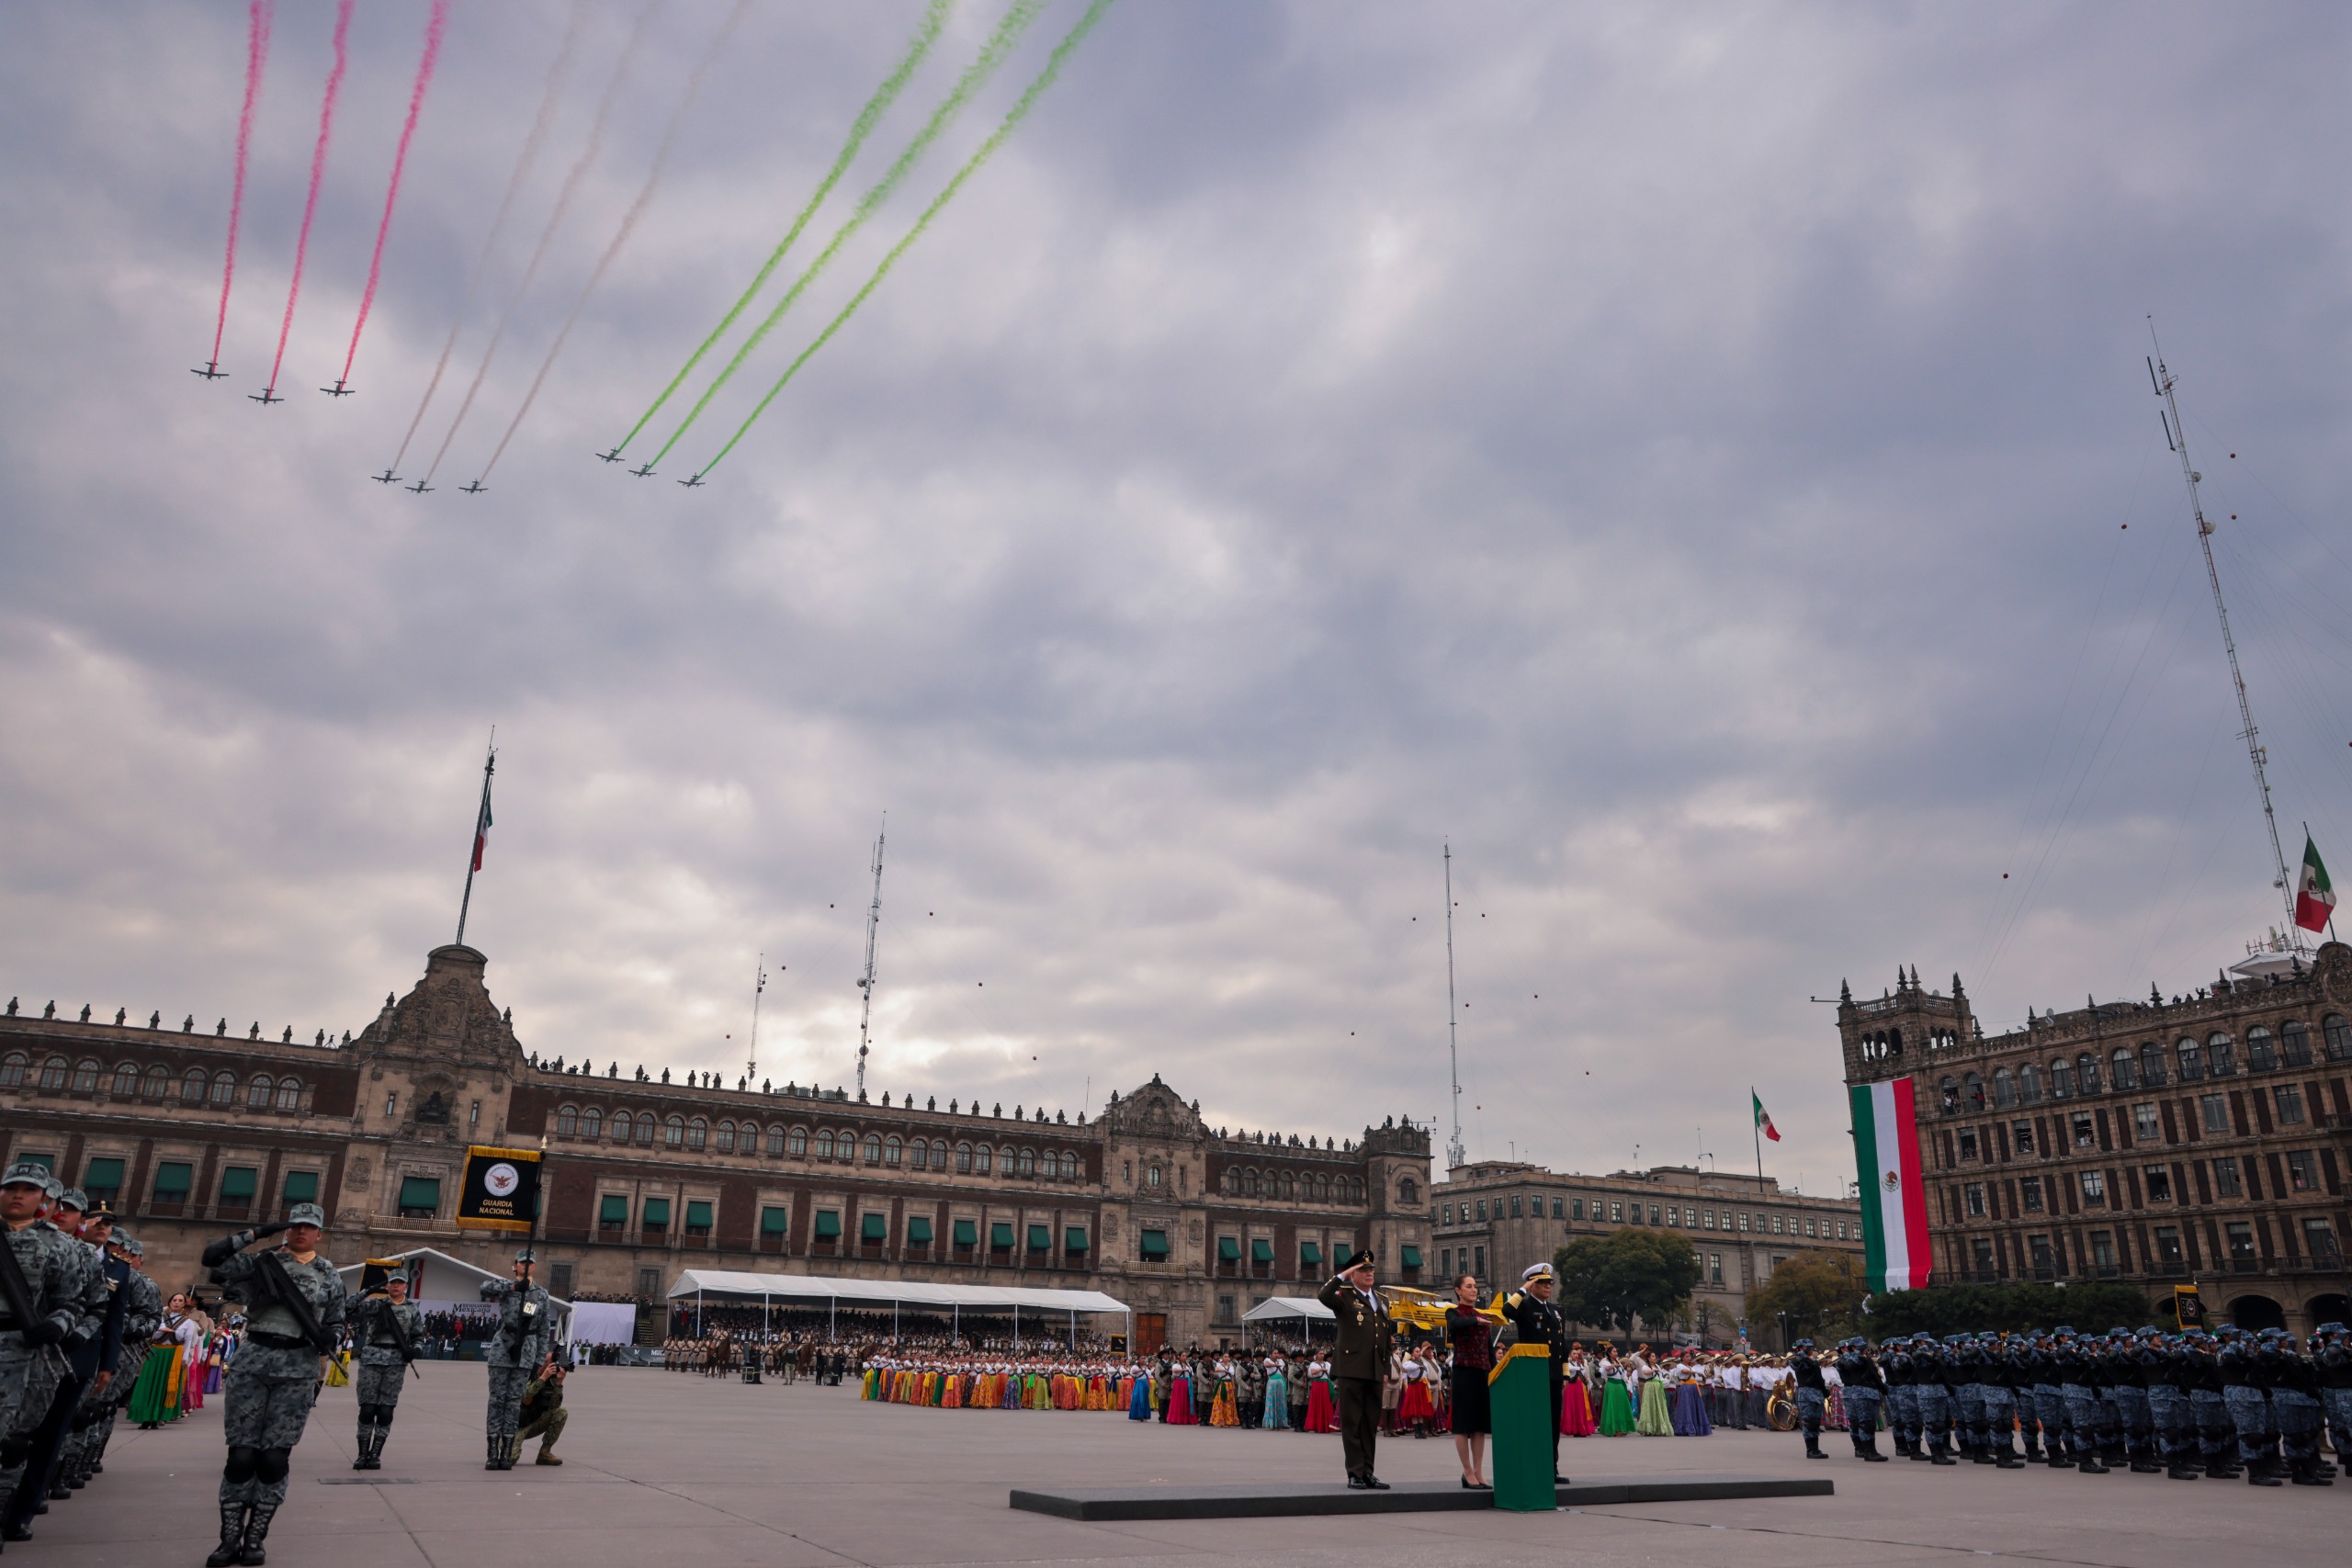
{"x":1698,"y":460}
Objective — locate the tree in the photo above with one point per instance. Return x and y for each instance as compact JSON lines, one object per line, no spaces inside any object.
{"x":1610,"y":1281}
{"x":1812,"y":1294}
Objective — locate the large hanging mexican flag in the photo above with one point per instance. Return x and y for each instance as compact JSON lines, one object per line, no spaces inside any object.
{"x":1894,"y":1198}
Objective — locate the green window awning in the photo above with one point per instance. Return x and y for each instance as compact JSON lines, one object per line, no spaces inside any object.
{"x":172,"y":1178}
{"x":829,"y":1225}
{"x":48,"y":1162}
{"x":1074,"y":1240}
{"x":302,"y":1187}
{"x":1154,"y":1244}
{"x":874,"y":1227}
{"x":1040,"y":1237}
{"x":657,"y":1214}
{"x":1262,"y":1252}
{"x":1412,"y":1255}
{"x":102,"y":1176}
{"x":420,"y":1192}
{"x":968,"y":1233}
{"x":1310,"y":1252}
{"x":238,"y":1184}
{"x":919,"y":1229}
{"x":613,"y":1210}
{"x":1228,"y":1249}
{"x":698,"y":1214}
{"x":1000,"y":1234}
{"x":774,"y":1222}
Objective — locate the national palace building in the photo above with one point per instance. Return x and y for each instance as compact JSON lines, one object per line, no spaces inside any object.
{"x":2198,"y":1140}
{"x":190,"y":1132}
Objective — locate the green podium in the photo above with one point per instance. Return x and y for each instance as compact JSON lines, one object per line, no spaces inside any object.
{"x":1519,"y":1392}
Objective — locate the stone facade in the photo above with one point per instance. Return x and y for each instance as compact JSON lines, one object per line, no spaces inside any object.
{"x":2196,"y":1141}
{"x":1495,"y":1218}
{"x":190,"y":1135}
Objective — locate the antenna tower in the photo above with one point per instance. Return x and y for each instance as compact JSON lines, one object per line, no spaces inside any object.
{"x":1454,"y":1154}
{"x":866,"y":982}
{"x":760,"y":984}
{"x":2176,"y":437}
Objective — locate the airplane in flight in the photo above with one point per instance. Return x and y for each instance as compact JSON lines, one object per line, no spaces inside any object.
{"x":387,"y":477}
{"x":643,"y":472}
{"x":338,"y":389}
{"x":267,"y":395}
{"x":211,"y":371}
{"x":419,"y":488}
{"x":474,"y":488}
{"x":692,"y":482}
{"x":612,"y":457}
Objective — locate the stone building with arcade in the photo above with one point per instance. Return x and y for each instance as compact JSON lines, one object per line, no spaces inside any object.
{"x":190,"y":1131}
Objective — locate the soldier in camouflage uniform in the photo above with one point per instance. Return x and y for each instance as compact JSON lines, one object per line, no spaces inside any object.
{"x":54,"y":1469}
{"x":271,"y":1384}
{"x":142,"y":1313}
{"x":526,"y":1330}
{"x":43,"y":1305}
{"x":386,"y":1326}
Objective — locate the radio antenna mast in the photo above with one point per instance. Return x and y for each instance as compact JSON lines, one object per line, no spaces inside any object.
{"x":760,"y":984}
{"x":866,"y":982}
{"x":2176,"y":437}
{"x":1453,"y":1154}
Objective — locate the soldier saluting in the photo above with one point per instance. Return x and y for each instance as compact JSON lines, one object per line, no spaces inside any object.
{"x":1538,"y":1319}
{"x":1359,"y":1361}
{"x":293,"y":1299}
{"x":386,"y":1323}
{"x":525,"y":1331}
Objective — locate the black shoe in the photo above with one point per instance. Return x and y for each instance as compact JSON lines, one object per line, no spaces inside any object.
{"x":1357,"y":1483}
{"x":1557,"y":1480}
{"x":2091,"y":1466}
{"x":1940,"y":1457}
{"x":2183,"y":1472}
{"x":1373,"y":1483}
{"x":2260,"y":1475}
{"x":232,"y":1536}
{"x":2146,"y":1467}
{"x":15,"y":1529}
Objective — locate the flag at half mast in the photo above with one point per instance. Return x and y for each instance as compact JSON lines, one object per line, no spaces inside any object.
{"x":2314,"y":895}
{"x":1894,"y":1198}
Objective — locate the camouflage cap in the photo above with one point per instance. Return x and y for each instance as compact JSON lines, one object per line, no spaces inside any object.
{"x":25,"y":1173}
{"x":73,"y":1198}
{"x":307,"y":1214}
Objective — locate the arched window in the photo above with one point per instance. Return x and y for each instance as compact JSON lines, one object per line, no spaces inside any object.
{"x":257,"y":1092}
{"x":891,"y":1151}
{"x":158,"y":1084}
{"x":697,"y":1134}
{"x":1256,"y":1184}
{"x":624,"y":1126}
{"x":1407,"y":1194}
{"x":2295,"y":1044}
{"x":12,"y":1070}
{"x":2152,"y":1064}
{"x":126,"y":1081}
{"x":726,"y":1140}
{"x":939,"y":1154}
{"x":567,"y":1121}
{"x":2338,"y":1034}
{"x":963,"y":1159}
{"x":2261,"y":1050}
{"x":1290,"y":1187}
{"x":2005,"y":1087}
{"x":2087,"y":1073}
{"x":1948,"y":1095}
{"x":1972,"y":1093}
{"x":289,"y":1094}
{"x":86,"y":1077}
{"x":54,"y":1072}
{"x":2122,"y":1070}
{"x":224,"y":1089}
{"x":2030,"y":1085}
{"x":193,"y":1087}
{"x":1355,"y":1190}
{"x":674,"y":1131}
{"x":797,"y":1141}
{"x":645,"y":1128}
{"x":1322,"y":1189}
{"x":1028,"y":1165}
{"x":2190,"y":1060}
{"x":1070,"y":1166}
{"x":1232,"y":1181}
{"x":592,"y":1123}
{"x":982,"y":1159}
{"x":2061,"y":1079}
{"x":874,"y":1148}
{"x":2220,"y":1056}
{"x":824,"y":1145}
{"x":1894,"y":1042}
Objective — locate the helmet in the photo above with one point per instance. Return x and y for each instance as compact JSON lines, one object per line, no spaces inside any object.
{"x":1801,"y":1344}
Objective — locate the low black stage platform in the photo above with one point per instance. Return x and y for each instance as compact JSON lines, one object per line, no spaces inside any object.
{"x":1271,"y":1501}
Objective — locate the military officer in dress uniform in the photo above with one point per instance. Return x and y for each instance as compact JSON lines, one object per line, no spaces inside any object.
{"x":294,"y":1306}
{"x":1812,"y":1395}
{"x":1865,"y":1389}
{"x":386,"y":1326}
{"x":1359,"y":1362}
{"x":1532,"y":1311}
{"x":525,"y":1331}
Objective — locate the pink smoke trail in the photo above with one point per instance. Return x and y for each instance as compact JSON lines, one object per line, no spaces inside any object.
{"x":435,"y":27}
{"x":258,"y":16}
{"x":318,"y":170}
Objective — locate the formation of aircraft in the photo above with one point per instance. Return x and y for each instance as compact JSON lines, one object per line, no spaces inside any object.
{"x":692,"y":482}
{"x":644,"y":472}
{"x":267,"y":395}
{"x":419,"y":488}
{"x":612,"y":457}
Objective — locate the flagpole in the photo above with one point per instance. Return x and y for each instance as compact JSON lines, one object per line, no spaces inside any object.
{"x":473,"y":850}
{"x":1755,"y":1133}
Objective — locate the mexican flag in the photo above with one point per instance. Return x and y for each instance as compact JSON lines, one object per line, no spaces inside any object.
{"x":1895,"y":1198}
{"x":2314,"y":898}
{"x":1763,"y":1122}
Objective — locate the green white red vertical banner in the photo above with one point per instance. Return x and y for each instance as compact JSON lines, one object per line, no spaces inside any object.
{"x":1895,"y":1198}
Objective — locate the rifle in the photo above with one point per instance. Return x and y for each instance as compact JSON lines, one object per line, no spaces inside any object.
{"x":390,"y":1311}
{"x":18,"y":1293}
{"x":271,"y":1271}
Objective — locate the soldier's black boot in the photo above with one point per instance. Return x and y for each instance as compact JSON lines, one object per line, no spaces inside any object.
{"x":233,"y":1535}
{"x":258,"y":1530}
{"x":2006,"y":1456}
{"x":1869,"y":1450}
{"x":2091,"y":1463}
{"x":2261,"y":1473}
{"x":497,"y":1453}
{"x":359,"y":1459}
{"x":1936,"y":1454}
{"x":2221,"y":1469}
{"x":2305,"y":1472}
{"x":2143,"y":1462}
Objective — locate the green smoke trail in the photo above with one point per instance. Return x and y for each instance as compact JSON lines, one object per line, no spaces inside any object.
{"x":1012,"y":118}
{"x":926,"y":34}
{"x":999,"y":44}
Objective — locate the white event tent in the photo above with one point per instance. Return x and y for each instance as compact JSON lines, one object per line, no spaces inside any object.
{"x":1274,"y":1307}
{"x":730,"y":1285}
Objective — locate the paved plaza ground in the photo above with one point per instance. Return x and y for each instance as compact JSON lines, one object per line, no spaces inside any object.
{"x":686,"y":1472}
